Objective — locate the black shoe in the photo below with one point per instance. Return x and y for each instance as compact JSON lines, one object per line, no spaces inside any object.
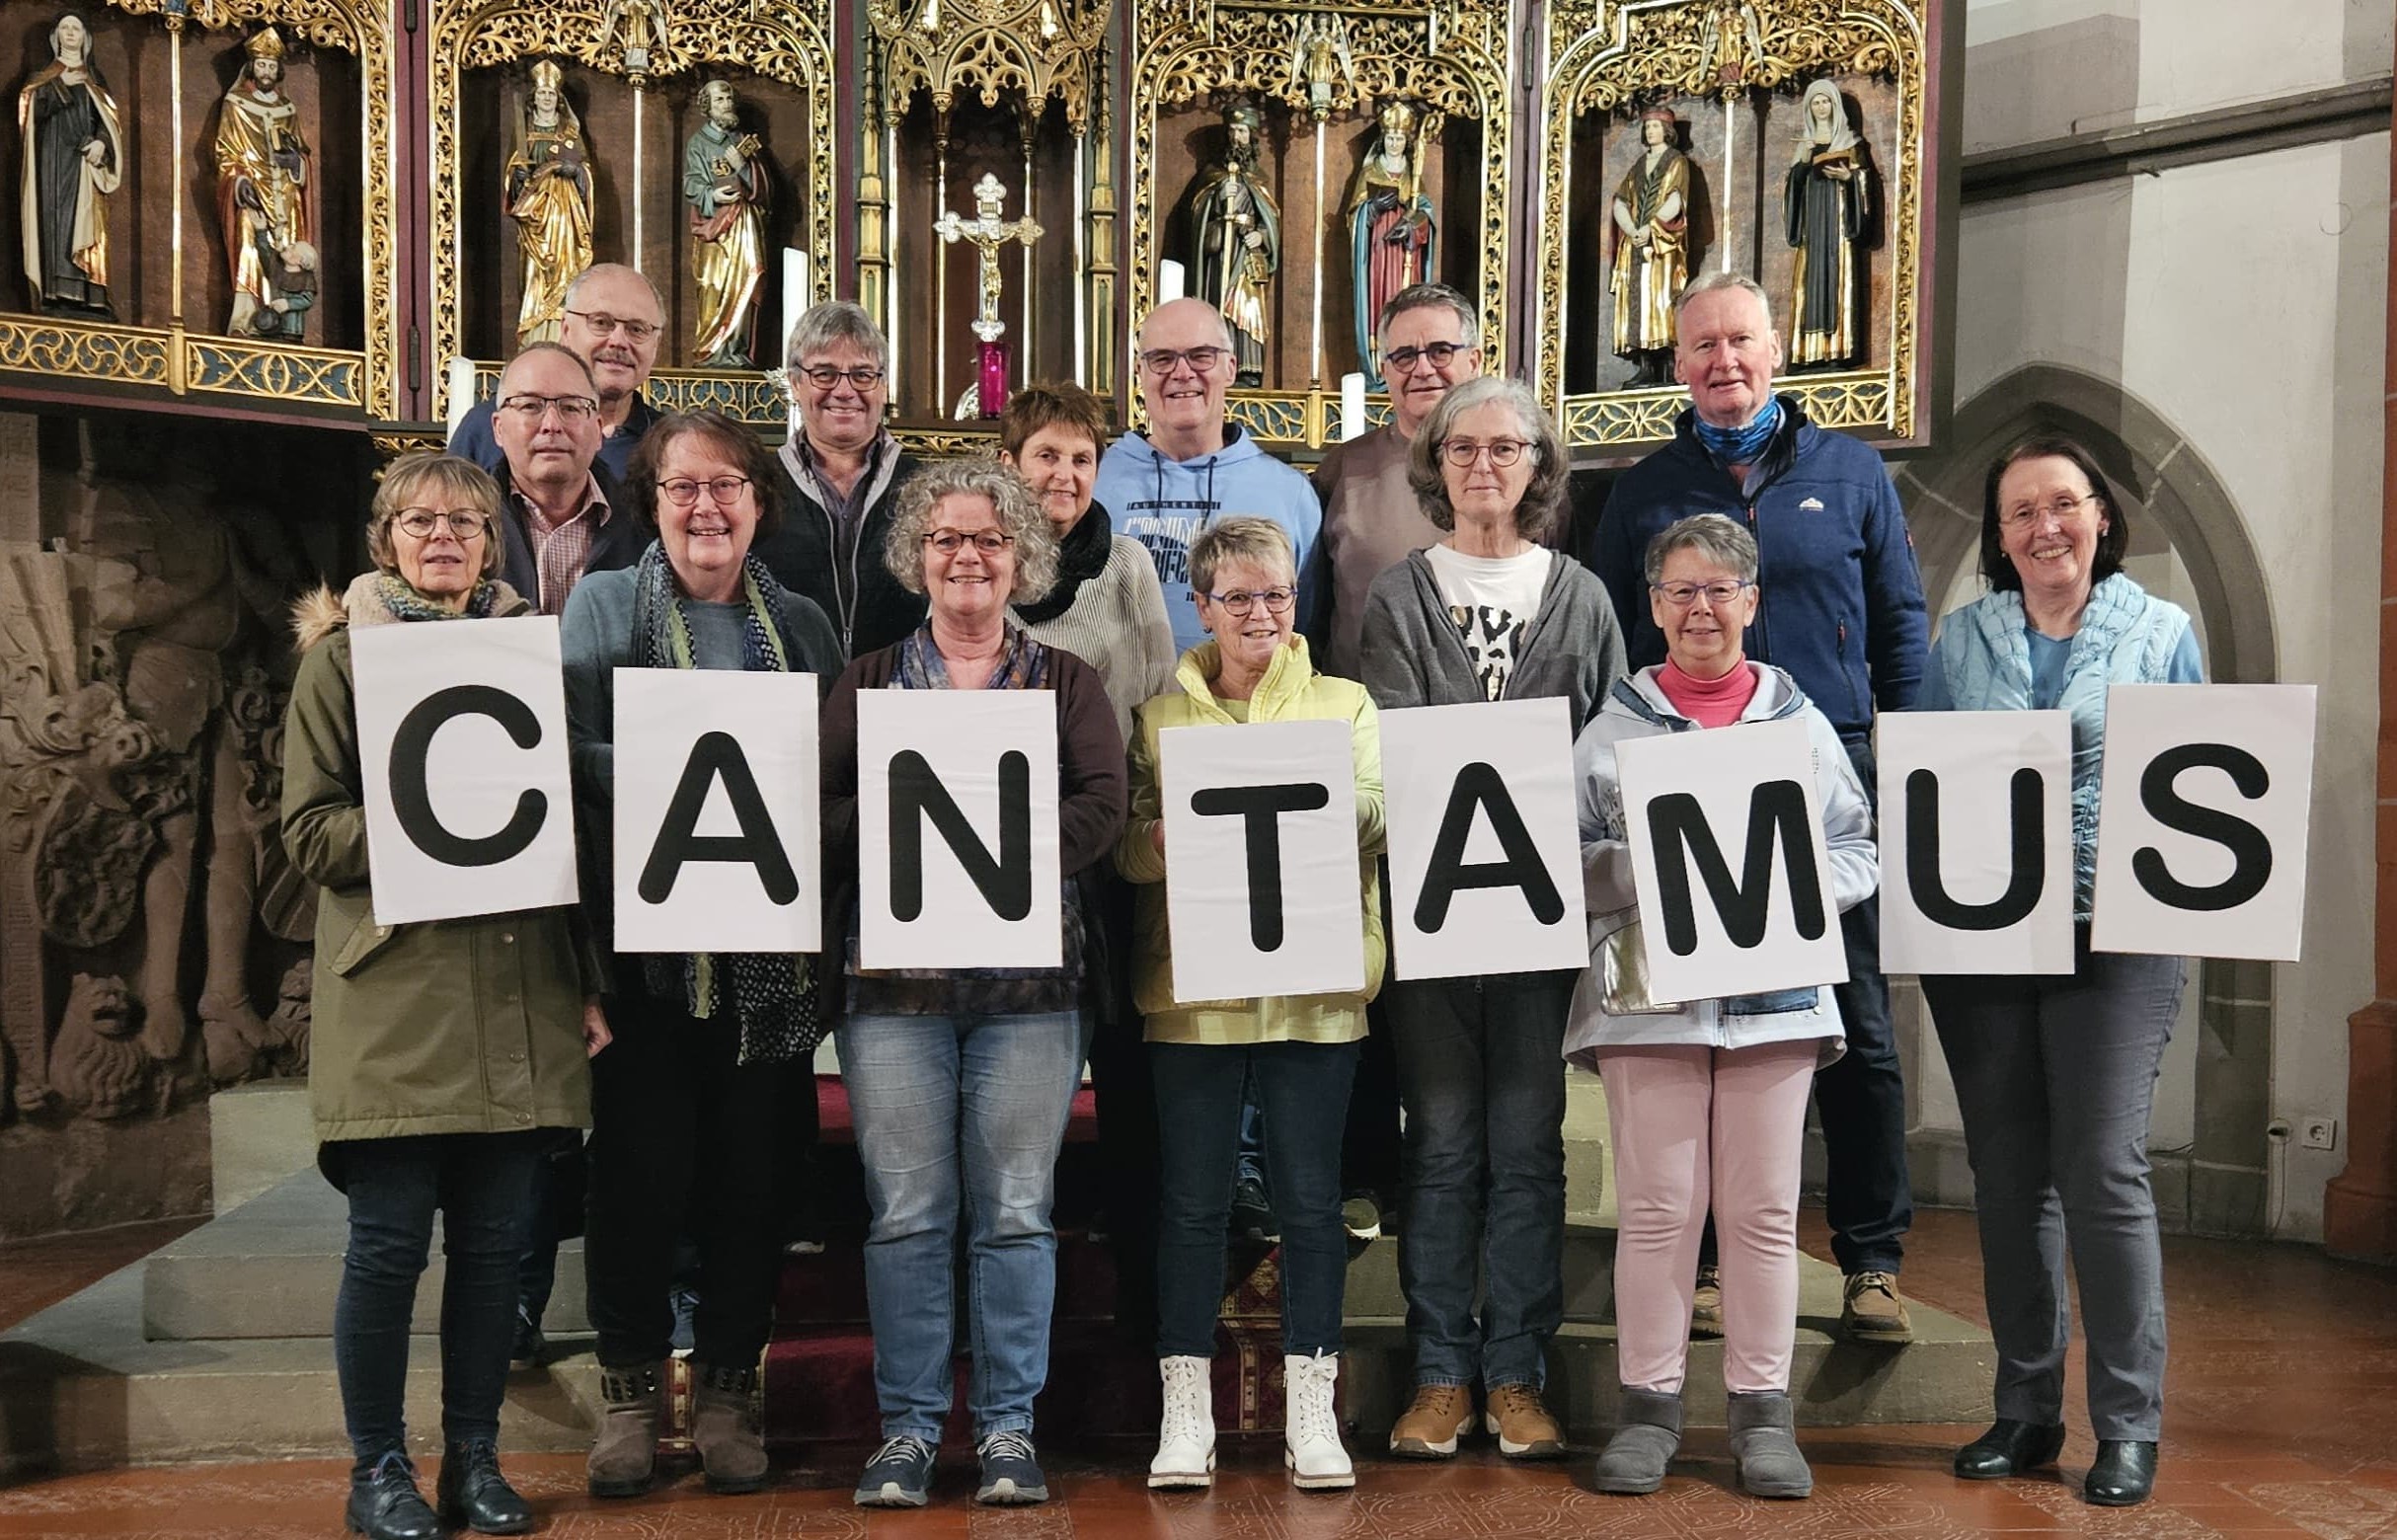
{"x":2009,"y":1448}
{"x":2124,"y":1473}
{"x":472,"y":1493}
{"x":384,"y":1503}
{"x":530,"y":1347}
{"x":1253,"y":1213}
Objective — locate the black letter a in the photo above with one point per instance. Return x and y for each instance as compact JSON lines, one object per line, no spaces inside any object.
{"x":1479,"y":786}
{"x":916,"y":793}
{"x":716,"y":754}
{"x":1678,"y":828}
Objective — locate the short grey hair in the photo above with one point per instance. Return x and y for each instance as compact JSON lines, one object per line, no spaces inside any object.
{"x":1431,"y":296}
{"x":1716,"y":282}
{"x":1244,"y":537}
{"x":1543,"y":498}
{"x":1221,"y":325}
{"x":1020,"y":518}
{"x":1724,"y":541}
{"x":835,"y":321}
{"x":614,"y":269}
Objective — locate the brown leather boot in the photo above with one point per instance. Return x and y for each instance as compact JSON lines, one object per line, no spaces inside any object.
{"x":724,"y":1429}
{"x":624,"y":1457}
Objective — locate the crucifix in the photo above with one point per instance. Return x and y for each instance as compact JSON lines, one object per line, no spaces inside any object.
{"x":988,"y":233}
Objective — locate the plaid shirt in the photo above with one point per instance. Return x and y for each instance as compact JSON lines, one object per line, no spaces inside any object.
{"x":562,"y":550}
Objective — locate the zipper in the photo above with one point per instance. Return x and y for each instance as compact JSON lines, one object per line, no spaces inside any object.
{"x":1763,"y":648}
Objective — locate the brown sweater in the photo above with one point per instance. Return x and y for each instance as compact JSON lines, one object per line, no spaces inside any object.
{"x":1091,"y":795}
{"x":1371,"y":522}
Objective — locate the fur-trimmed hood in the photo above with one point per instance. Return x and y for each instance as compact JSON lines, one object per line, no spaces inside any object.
{"x":321,"y":612}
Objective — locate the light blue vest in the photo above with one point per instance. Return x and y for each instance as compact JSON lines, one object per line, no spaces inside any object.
{"x":2127,"y":636}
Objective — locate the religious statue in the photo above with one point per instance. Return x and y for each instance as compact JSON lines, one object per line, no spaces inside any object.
{"x":726,"y":181}
{"x":1236,"y":241}
{"x":264,"y":197}
{"x":74,"y":158}
{"x":1648,"y":234}
{"x":1730,"y":47}
{"x":1828,"y":203}
{"x":636,"y":27}
{"x":1391,"y":229}
{"x":549,"y":195}
{"x":1320,"y":61}
{"x":987,"y":232}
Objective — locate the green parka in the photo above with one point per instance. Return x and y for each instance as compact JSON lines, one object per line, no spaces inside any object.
{"x":471,"y":1026}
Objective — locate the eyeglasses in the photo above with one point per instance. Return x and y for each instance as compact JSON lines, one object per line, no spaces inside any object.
{"x":1461,"y":452}
{"x":600,"y":322}
{"x":1681,"y":595}
{"x":1402,"y":360}
{"x":683,"y":491}
{"x":990,"y":542}
{"x":823,"y":376}
{"x":1240,"y":601}
{"x":1160,"y":361}
{"x":420,"y":523}
{"x":570,"y":408}
{"x":2064,"y":511}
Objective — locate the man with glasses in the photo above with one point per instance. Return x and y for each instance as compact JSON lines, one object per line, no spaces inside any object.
{"x":844,"y":471}
{"x":614,"y":322}
{"x":556,"y":512}
{"x":1193,"y":465}
{"x":1431,"y":339}
{"x":1841,"y":609}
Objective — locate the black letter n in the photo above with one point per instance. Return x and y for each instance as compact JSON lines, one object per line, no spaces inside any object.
{"x":916,"y":793}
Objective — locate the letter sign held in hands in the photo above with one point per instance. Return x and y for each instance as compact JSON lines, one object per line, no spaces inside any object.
{"x":1976,"y":842}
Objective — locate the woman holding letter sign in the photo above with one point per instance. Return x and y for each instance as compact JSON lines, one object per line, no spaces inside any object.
{"x":960,"y":1080}
{"x":699,"y":1107}
{"x":2055,"y":1075}
{"x":443,"y":1050}
{"x":1707,"y":1098}
{"x":1300,"y":1049}
{"x":1488,"y":614}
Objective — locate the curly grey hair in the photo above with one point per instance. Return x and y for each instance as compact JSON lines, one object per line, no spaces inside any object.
{"x":1723,"y":541}
{"x":1020,"y":518}
{"x":1543,"y":498}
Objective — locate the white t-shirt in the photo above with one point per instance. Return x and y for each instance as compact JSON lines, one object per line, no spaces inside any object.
{"x":1491,"y":599}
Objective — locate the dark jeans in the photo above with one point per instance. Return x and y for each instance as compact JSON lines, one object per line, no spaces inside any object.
{"x":1303,"y":1089}
{"x":482,"y":1185}
{"x":557,"y":1182}
{"x":1480,"y":1065}
{"x":1127,"y":1102}
{"x":1860,"y":1098}
{"x":1368,"y":1156}
{"x":2055,"y":1077}
{"x":686,"y":1143}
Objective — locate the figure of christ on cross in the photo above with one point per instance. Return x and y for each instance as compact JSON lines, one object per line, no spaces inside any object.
{"x":988,"y":233}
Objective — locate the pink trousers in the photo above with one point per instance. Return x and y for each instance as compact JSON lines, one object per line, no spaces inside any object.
{"x":1694,"y":1125}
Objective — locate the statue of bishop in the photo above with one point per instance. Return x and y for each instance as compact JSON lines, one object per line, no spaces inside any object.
{"x":264,"y":197}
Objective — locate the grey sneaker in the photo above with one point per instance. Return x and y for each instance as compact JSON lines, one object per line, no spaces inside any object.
{"x":898,"y":1476}
{"x":1011,"y":1471}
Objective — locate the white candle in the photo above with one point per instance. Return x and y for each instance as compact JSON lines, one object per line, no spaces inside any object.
{"x":793,"y":287}
{"x":1169,"y":281}
{"x":461,"y":393}
{"x":1352,"y":406}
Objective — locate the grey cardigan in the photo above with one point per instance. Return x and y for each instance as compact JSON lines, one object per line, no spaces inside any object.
{"x":1414,"y":655}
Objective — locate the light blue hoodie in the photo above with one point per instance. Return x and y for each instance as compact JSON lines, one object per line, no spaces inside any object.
{"x":1163,"y":504}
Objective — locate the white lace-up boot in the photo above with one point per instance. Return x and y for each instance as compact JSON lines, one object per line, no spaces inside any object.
{"x":1186,"y":1435}
{"x":1310,"y":1437}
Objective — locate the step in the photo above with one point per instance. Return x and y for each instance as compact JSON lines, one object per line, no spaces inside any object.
{"x":259,"y":1136}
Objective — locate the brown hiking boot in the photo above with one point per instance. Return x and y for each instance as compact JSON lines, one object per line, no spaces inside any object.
{"x":1706,"y":1304}
{"x":624,"y":1457}
{"x":1871,"y":1310}
{"x":1430,"y":1427}
{"x":723,"y":1428}
{"x":1525,"y":1430}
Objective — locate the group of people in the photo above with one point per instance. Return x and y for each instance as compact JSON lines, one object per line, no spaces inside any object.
{"x":1757,"y":568}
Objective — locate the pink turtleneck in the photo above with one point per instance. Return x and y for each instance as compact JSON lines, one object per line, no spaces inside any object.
{"x":1710,"y":703}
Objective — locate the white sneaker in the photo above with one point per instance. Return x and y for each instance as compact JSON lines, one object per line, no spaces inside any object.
{"x":1186,"y":1435}
{"x":1310,"y":1436}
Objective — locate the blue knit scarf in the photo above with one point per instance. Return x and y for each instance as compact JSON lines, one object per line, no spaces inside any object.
{"x":1740,"y":445}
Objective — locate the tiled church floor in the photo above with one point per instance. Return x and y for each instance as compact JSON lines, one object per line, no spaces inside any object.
{"x":2283,"y":1370}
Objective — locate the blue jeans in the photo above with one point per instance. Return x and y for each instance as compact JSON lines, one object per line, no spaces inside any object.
{"x":943,"y":1106}
{"x":482,"y":1185}
{"x":1302,"y":1089}
{"x":1481,"y":1072}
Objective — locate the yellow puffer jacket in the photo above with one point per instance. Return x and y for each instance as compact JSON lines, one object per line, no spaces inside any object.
{"x":1292,"y":691}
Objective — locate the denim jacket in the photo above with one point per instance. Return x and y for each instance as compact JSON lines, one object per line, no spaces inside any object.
{"x":1612,"y":1006}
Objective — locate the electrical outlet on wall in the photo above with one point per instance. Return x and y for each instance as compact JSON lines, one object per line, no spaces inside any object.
{"x":2318,"y":1132}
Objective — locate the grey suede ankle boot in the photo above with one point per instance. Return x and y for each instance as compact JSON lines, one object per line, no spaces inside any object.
{"x":1765,"y":1445}
{"x":724,"y":1428}
{"x":624,"y":1456}
{"x":1648,"y":1429}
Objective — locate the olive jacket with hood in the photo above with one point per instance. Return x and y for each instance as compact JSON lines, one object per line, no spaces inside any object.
{"x":1611,"y":1008}
{"x":467,"y":1025}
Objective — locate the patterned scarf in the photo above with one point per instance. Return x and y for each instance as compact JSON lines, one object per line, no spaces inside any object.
{"x":1740,"y":445}
{"x":772,"y":994}
{"x":1023,"y":666}
{"x":404,"y":603}
{"x":1081,"y":556}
